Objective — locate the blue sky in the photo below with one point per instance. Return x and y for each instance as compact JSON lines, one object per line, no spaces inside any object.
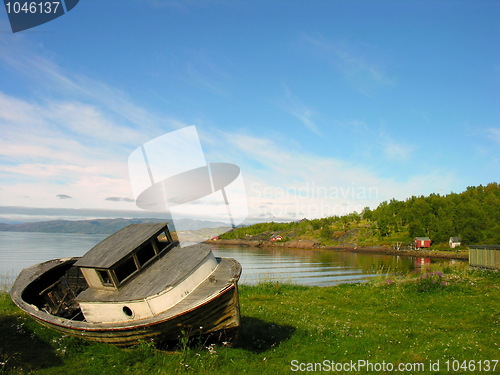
{"x":326,"y":106}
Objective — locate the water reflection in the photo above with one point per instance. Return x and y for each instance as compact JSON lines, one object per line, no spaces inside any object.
{"x":419,"y":262}
{"x":312,"y":267}
{"x":19,"y":250}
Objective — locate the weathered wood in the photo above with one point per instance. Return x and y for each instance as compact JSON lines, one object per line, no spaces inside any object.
{"x":181,"y":291}
{"x":221,"y":312}
{"x":114,"y":248}
{"x":165,"y":272}
{"x":213,"y":306}
{"x":485,"y":256}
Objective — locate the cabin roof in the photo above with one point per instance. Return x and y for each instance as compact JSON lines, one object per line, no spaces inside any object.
{"x":422,"y":238}
{"x":117,"y":246}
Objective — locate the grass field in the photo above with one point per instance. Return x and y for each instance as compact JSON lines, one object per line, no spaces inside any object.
{"x":437,"y":317}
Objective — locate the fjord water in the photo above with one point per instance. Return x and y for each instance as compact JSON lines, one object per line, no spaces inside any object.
{"x":311,"y":267}
{"x":19,"y":250}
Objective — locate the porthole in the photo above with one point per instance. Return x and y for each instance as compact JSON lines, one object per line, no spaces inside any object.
{"x":128,"y":311}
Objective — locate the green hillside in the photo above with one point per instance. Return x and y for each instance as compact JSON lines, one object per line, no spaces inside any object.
{"x":473,"y":215}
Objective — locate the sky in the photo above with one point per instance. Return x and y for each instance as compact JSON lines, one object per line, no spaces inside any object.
{"x":327,"y":107}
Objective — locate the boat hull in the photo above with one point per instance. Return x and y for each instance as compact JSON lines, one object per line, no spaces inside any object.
{"x":211,"y":309}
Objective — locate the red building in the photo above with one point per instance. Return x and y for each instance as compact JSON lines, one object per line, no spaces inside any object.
{"x":422,"y":242}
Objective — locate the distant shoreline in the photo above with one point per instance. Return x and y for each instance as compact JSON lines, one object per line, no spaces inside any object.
{"x":310,"y":244}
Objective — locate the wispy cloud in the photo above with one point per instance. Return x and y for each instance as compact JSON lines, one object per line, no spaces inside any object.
{"x":119,"y":199}
{"x":45,"y":73}
{"x":397,"y":151}
{"x":73,"y":132}
{"x":300,"y":111}
{"x":201,"y":71}
{"x":359,"y":68}
{"x":493,"y":134}
{"x":291,"y":185}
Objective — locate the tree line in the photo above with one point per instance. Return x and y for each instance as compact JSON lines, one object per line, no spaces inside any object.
{"x":473,"y":215}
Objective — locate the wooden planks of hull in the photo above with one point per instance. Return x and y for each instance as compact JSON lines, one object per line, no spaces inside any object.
{"x":219,"y":314}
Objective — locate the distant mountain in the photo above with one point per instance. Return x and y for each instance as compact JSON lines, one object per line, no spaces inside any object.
{"x":102,"y":226}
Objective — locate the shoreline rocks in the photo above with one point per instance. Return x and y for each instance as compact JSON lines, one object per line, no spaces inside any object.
{"x":311,"y":244}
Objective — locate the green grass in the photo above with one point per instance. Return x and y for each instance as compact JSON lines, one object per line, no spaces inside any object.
{"x":440,"y":314}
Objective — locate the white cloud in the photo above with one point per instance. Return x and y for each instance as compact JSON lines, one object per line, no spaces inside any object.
{"x":88,"y":120}
{"x":79,"y":145}
{"x":398,"y":151}
{"x":203,"y":72}
{"x":300,"y":111}
{"x":357,"y":64}
{"x":66,"y":133}
{"x":294,"y":184}
{"x":43,"y":72}
{"x":493,"y":134}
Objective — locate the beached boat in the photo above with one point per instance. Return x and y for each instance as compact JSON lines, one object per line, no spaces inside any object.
{"x":138,"y":284}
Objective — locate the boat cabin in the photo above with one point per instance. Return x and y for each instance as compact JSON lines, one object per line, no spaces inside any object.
{"x":120,"y":257}
{"x":139,"y":272}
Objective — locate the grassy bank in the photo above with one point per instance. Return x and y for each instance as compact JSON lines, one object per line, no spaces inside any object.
{"x":440,"y":314}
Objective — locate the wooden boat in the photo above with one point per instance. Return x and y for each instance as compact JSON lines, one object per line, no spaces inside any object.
{"x":138,"y":284}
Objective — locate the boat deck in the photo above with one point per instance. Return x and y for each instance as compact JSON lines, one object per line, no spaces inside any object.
{"x":164,"y":273}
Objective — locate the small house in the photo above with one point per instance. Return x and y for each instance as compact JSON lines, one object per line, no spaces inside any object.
{"x":275,"y":237}
{"x":422,"y":242}
{"x":454,"y":242}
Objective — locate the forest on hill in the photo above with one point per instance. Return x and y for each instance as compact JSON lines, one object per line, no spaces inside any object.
{"x":473,"y":215}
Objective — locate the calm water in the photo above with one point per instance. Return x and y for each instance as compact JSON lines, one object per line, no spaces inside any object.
{"x":19,"y":250}
{"x":311,"y":267}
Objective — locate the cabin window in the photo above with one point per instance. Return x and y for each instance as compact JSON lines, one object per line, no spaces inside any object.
{"x":162,"y":241}
{"x":105,"y":277}
{"x":163,"y":238}
{"x":125,"y":269}
{"x":145,"y":254}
